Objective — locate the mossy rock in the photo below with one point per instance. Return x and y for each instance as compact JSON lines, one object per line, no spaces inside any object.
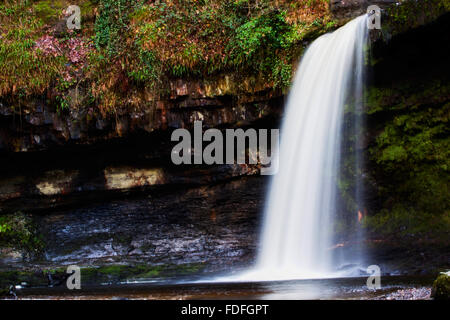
{"x":50,"y":11}
{"x":441,"y":287}
{"x":91,"y":275}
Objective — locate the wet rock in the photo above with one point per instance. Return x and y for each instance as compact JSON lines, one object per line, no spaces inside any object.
{"x":215,"y":225}
{"x":4,"y":110}
{"x":218,"y":103}
{"x":56,"y":182}
{"x":74,"y":130}
{"x":181,"y":88}
{"x":220,"y":87}
{"x":35,"y":119}
{"x":347,"y":8}
{"x":11,"y":188}
{"x":126,"y":178}
{"x":121,"y":126}
{"x":10,"y":255}
{"x":101,"y":124}
{"x":422,"y":293}
{"x":60,"y":29}
{"x":82,"y":175}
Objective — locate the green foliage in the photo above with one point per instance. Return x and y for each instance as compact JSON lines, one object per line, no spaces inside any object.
{"x":413,"y":13}
{"x":257,"y":35}
{"x":149,"y":68}
{"x":281,"y":73}
{"x":62,"y":99}
{"x":256,"y":44}
{"x":396,"y":220}
{"x":420,"y":136}
{"x":111,"y":25}
{"x":201,"y":38}
{"x":411,"y":157}
{"x":17,"y":230}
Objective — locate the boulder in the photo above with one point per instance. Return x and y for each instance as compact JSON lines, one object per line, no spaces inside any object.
{"x":441,"y":287}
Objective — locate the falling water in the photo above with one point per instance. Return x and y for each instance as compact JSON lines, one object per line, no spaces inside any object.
{"x":297,"y":230}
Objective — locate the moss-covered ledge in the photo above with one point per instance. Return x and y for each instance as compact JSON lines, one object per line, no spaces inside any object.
{"x":95,"y":275}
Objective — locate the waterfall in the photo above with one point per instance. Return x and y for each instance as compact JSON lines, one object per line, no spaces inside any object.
{"x":296,"y":237}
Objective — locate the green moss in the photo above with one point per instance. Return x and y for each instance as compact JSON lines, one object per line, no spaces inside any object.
{"x":394,"y":154}
{"x":55,"y":270}
{"x":441,"y":287}
{"x":112,"y":270}
{"x":87,"y":9}
{"x":49,"y":11}
{"x":409,"y":157}
{"x":111,"y":26}
{"x":31,"y":278}
{"x":411,"y":14}
{"x":98,"y":275}
{"x":120,"y":273}
{"x":18,"y":231}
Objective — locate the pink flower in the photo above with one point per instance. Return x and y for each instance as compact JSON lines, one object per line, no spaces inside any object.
{"x":49,"y":45}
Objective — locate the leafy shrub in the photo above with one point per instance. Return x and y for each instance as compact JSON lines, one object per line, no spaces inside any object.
{"x":111,"y":25}
{"x":17,"y":230}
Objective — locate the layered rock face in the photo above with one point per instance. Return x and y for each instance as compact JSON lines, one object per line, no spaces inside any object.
{"x":214,"y":225}
{"x":71,"y":175}
{"x":138,"y":206}
{"x":103,"y":192}
{"x":217,"y":103}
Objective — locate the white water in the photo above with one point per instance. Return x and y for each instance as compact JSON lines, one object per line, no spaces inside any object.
{"x":297,"y":232}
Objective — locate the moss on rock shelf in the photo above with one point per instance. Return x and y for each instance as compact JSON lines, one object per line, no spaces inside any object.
{"x":108,"y":274}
